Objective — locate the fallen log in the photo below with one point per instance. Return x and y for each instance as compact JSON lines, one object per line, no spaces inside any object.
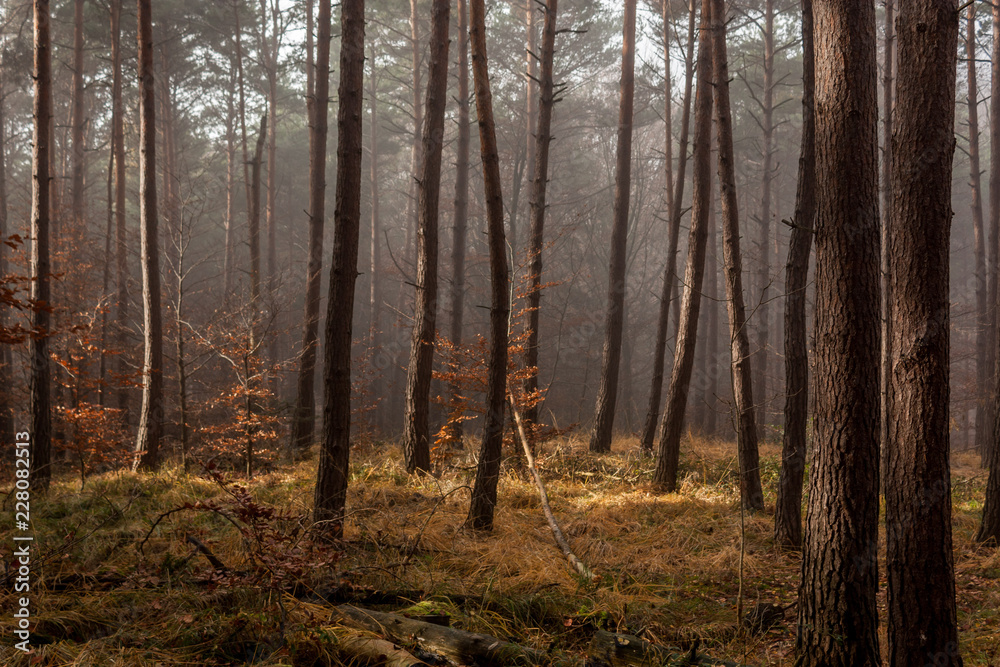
{"x":610,"y":649}
{"x":375,"y":651}
{"x":460,"y":646}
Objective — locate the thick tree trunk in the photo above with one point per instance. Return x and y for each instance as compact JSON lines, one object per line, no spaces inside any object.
{"x":461,"y":217}
{"x":885,"y":368}
{"x":539,"y":184}
{"x":607,"y":395}
{"x":39,"y":377}
{"x":837,"y":612}
{"x":331,"y":480}
{"x":484,"y":492}
{"x":416,"y":417}
{"x":751,"y":491}
{"x":975,"y":183}
{"x":669,"y":273}
{"x":763,"y":314}
{"x":788,"y":508}
{"x":121,"y":231}
{"x":304,"y":417}
{"x":665,"y":477}
{"x":922,"y":618}
{"x":151,"y":416}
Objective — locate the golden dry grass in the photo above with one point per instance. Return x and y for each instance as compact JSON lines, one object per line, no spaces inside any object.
{"x":668,"y":565}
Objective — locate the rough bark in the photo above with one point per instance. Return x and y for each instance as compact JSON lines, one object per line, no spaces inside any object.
{"x":788,"y":508}
{"x":147,"y":443}
{"x":979,"y":240}
{"x":607,"y":395}
{"x":40,"y":374}
{"x":416,"y":414}
{"x":484,"y":492}
{"x":837,"y":611}
{"x":304,"y":416}
{"x":922,"y":623}
{"x":669,"y":273}
{"x":665,"y":477}
{"x":751,"y":492}
{"x":540,"y":179}
{"x":461,"y":216}
{"x":331,"y":480}
{"x":885,"y":370}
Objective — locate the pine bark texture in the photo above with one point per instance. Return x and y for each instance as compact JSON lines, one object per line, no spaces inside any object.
{"x":416,"y":416}
{"x":669,"y":273}
{"x":40,"y":374}
{"x":922,"y":623}
{"x":334,"y":455}
{"x":665,"y":476}
{"x":147,"y":444}
{"x":540,"y":178}
{"x":607,"y":395}
{"x":885,"y":371}
{"x":751,"y":492}
{"x":484,"y":492}
{"x":304,"y":416}
{"x":788,"y":508}
{"x":837,"y":611}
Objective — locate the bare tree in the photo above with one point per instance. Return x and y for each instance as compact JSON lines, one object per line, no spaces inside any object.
{"x":147,"y":444}
{"x":484,"y":492}
{"x":838,"y":617}
{"x":788,"y":509}
{"x":746,"y":424}
{"x":607,"y":396}
{"x":416,"y":417}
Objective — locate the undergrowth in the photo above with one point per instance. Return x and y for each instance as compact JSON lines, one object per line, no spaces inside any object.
{"x":667,"y":565}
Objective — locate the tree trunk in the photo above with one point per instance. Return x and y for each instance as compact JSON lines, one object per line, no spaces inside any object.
{"x":304,"y":417}
{"x":272,"y":182}
{"x":254,"y":217}
{"x":242,"y":104}
{"x":788,"y":508}
{"x":975,"y":183}
{"x":607,"y":396}
{"x":6,"y":399}
{"x":331,"y":480}
{"x":374,"y":294}
{"x":416,"y":417}
{"x":665,"y":477}
{"x":922,"y":618}
{"x":709,"y":422}
{"x":540,"y":179}
{"x":484,"y":492}
{"x":993,"y":257}
{"x":121,"y":231}
{"x":39,"y":378}
{"x":885,"y":369}
{"x":229,"y":263}
{"x":837,"y":612}
{"x":763,"y":308}
{"x":151,"y":416}
{"x":461,"y":217}
{"x":669,"y":283}
{"x":418,"y":123}
{"x":751,"y":491}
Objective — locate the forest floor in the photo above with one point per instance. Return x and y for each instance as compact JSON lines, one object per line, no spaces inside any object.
{"x":668,"y":566}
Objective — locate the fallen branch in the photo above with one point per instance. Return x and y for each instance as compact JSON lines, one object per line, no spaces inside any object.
{"x":458,"y":645}
{"x":376,"y":651}
{"x":207,"y":553}
{"x":557,"y":533}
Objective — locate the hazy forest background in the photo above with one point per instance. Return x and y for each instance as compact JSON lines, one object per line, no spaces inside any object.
{"x":321,"y":318}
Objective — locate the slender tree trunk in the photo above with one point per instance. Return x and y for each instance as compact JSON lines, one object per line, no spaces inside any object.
{"x":6,"y":410}
{"x":331,"y":480}
{"x":272,"y":184}
{"x":540,"y":179}
{"x":975,"y":183}
{"x":918,"y":486}
{"x":242,"y":105}
{"x":254,"y":217}
{"x":788,"y":509}
{"x":78,"y":121}
{"x":885,"y":369}
{"x":763,"y":314}
{"x":484,"y":492}
{"x":182,"y":370}
{"x":304,"y":418}
{"x":838,"y":617}
{"x":374,"y":295}
{"x":310,"y":63}
{"x":669,"y":282}
{"x":39,"y":378}
{"x":418,"y":123}
{"x":416,"y":417}
{"x":229,"y":265}
{"x":746,"y":424}
{"x":461,"y":215}
{"x":121,"y":232}
{"x":665,"y":477}
{"x":607,"y":396}
{"x":709,"y":423}
{"x":993,"y":253}
{"x":151,"y":416}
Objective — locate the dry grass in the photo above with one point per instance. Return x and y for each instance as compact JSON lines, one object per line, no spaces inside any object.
{"x":668,"y":566}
